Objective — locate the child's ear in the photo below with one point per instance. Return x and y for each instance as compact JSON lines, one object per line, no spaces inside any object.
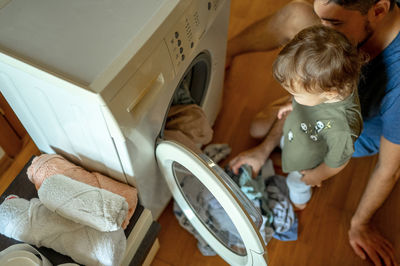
{"x":331,"y":95}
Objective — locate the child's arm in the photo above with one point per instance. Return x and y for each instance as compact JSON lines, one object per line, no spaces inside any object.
{"x":284,"y":109}
{"x":314,"y":177}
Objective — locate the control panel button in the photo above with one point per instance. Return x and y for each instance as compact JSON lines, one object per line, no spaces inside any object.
{"x":183,"y":57}
{"x":179,"y":42}
{"x":181,"y":50}
{"x":176,"y":34}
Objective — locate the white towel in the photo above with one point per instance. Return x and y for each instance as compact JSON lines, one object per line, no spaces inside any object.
{"x":31,"y":222}
{"x":82,"y":203}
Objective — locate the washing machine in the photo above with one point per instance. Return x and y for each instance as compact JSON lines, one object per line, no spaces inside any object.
{"x":93,"y":81}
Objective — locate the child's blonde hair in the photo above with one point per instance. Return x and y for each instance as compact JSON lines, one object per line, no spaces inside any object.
{"x":319,"y":59}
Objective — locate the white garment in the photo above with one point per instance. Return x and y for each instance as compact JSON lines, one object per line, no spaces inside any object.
{"x":299,"y":192}
{"x":82,"y":203}
{"x":31,"y":222}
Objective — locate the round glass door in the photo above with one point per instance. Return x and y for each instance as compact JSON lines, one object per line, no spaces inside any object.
{"x":213,"y":204}
{"x":207,"y":208}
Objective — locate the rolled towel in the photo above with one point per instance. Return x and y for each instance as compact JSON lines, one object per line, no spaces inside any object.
{"x":47,"y":165}
{"x":82,"y":203}
{"x":31,"y":222}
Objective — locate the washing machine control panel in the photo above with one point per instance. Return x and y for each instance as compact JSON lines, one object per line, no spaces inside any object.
{"x":184,"y":36}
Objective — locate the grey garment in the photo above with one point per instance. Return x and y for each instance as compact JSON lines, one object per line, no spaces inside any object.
{"x":275,"y":203}
{"x":217,"y":152}
{"x":279,"y":203}
{"x":182,"y":94}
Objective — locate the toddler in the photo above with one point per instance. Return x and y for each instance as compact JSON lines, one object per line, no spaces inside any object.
{"x":320,"y":68}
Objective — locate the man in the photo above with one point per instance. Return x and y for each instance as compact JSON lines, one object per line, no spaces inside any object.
{"x":372,"y":25}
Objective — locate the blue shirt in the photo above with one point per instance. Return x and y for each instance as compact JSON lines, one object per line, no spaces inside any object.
{"x":379,"y":92}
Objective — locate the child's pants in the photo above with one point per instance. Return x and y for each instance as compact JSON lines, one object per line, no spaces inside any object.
{"x":299,"y":192}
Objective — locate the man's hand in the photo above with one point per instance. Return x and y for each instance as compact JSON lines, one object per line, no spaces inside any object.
{"x":254,"y":157}
{"x":312,"y":177}
{"x":284,"y":110}
{"x":367,"y":241}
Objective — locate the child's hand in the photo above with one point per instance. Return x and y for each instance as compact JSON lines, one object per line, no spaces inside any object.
{"x":312,"y":177}
{"x":284,"y":110}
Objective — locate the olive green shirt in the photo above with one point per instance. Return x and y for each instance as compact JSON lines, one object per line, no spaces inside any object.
{"x":322,"y":133}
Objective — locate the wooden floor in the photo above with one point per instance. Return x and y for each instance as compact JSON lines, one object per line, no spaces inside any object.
{"x":323,"y":225}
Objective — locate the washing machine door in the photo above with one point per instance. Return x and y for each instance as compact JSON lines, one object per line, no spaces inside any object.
{"x":230,"y":222}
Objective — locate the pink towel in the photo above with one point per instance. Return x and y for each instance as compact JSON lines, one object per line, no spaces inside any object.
{"x":47,"y":165}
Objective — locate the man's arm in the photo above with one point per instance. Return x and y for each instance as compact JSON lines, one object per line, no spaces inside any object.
{"x":363,"y":238}
{"x":257,"y":156}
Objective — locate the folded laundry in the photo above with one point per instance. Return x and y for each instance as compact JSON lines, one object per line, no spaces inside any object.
{"x":31,"y":222}
{"x":47,"y":165}
{"x":82,"y":203}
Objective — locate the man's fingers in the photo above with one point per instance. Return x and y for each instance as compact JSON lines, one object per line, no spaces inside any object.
{"x":384,"y":255}
{"x":387,"y":243}
{"x":232,"y":162}
{"x":235,"y":169}
{"x":254,"y":173}
{"x":358,"y":250}
{"x":236,"y":164}
{"x":373,"y":255}
{"x":387,"y":253}
{"x":385,"y":250}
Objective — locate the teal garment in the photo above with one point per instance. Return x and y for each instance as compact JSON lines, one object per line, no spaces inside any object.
{"x":322,"y":133}
{"x":255,"y":190}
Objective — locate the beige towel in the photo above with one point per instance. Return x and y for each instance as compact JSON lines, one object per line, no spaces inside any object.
{"x":188,"y":125}
{"x":47,"y":165}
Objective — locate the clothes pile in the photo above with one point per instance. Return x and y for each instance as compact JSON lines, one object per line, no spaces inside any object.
{"x":268,"y":192}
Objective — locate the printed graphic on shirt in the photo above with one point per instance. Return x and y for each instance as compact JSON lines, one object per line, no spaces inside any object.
{"x":311,"y":130}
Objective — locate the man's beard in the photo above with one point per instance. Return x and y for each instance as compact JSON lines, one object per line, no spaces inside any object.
{"x":368,"y":34}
